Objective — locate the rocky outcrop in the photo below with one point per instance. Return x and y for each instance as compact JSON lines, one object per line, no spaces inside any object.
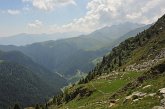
{"x":135,"y":96}
{"x":162,"y":101}
{"x":162,"y":91}
{"x":147,"y":64}
{"x":154,"y":72}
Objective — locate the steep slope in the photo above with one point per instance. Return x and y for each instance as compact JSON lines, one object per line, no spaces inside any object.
{"x":131,"y":76}
{"x":133,"y":33}
{"x":52,"y":79}
{"x":69,"y":55}
{"x":24,"y":81}
{"x":19,"y":85}
{"x":135,"y":49}
{"x":119,"y":90}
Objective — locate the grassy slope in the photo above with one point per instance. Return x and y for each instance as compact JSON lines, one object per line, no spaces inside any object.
{"x":147,"y":50}
{"x":147,"y":102}
{"x":103,"y":89}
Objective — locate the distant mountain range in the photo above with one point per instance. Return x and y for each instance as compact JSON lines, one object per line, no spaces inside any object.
{"x":66,"y":56}
{"x":24,"y":38}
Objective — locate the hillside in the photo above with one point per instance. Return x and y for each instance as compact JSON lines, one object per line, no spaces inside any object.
{"x":130,"y":77}
{"x":25,"y":82}
{"x":133,"y":33}
{"x":43,"y":73}
{"x":69,"y":55}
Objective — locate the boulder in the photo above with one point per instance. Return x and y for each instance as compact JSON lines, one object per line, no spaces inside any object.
{"x":158,"y":107}
{"x":146,"y":86}
{"x":135,"y":96}
{"x":139,"y":94}
{"x":162,"y":91}
{"x":162,"y":102}
{"x":152,"y":94}
{"x":135,"y":100}
{"x":111,"y":104}
{"x":163,"y":95}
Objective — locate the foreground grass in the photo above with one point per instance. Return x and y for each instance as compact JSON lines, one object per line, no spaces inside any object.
{"x":100,"y":98}
{"x":147,"y":102}
{"x":104,"y":88}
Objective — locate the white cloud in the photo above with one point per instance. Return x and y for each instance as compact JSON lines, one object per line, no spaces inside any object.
{"x":13,"y":12}
{"x":107,"y":12}
{"x":49,"y":4}
{"x":35,"y":24}
{"x":36,"y":27}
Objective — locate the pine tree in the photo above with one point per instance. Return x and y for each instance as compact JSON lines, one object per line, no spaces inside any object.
{"x":104,"y":59}
{"x":16,"y":106}
{"x":120,"y":63}
{"x":140,"y":42}
{"x":115,"y":61}
{"x":37,"y":106}
{"x":54,"y":99}
{"x":46,"y":106}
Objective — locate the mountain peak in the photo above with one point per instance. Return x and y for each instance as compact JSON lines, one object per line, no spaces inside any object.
{"x":116,"y":31}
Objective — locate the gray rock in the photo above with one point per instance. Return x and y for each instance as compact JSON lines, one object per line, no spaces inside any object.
{"x":152,"y":94}
{"x":147,"y":86}
{"x":135,"y":100}
{"x":162,"y":91}
{"x":162,"y":102}
{"x":163,"y":95}
{"x":158,"y":107}
{"x":135,"y":96}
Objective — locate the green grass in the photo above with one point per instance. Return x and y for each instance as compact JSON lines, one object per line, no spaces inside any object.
{"x":104,"y":89}
{"x":110,"y":86}
{"x":157,"y":42}
{"x":147,"y":102}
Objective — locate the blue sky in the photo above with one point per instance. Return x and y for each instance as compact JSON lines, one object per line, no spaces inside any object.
{"x":51,"y":16}
{"x":24,"y":13}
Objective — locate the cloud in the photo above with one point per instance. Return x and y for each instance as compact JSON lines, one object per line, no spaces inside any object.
{"x":49,"y":4}
{"x":35,"y":24}
{"x":107,"y":12}
{"x":13,"y":12}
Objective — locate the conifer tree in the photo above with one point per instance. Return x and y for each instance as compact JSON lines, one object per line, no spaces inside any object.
{"x":16,"y":106}
{"x":37,"y":106}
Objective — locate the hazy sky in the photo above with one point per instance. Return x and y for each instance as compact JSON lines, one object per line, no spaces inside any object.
{"x":50,"y":16}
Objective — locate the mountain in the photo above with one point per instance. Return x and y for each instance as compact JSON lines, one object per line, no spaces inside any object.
{"x":131,"y":76}
{"x":25,"y":82}
{"x":66,"y":56}
{"x":24,"y":39}
{"x":133,"y":33}
{"x":116,"y":31}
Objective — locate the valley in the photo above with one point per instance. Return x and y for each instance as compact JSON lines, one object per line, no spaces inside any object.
{"x":82,"y":54}
{"x":66,"y":56}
